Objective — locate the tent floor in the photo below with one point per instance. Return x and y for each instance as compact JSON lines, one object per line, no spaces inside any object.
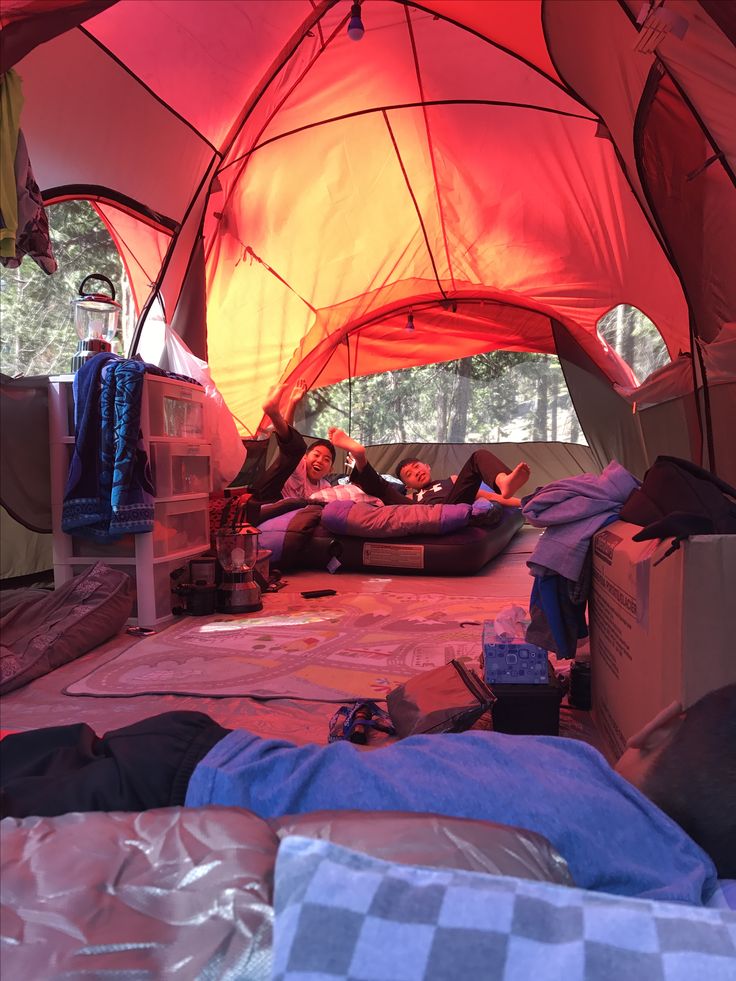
{"x":43,"y":702}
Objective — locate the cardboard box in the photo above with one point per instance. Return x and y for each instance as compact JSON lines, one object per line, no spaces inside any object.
{"x":659,"y":631}
{"x":511,"y":662}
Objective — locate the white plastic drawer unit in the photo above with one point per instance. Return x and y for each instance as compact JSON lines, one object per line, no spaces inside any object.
{"x":180,"y":468}
{"x":179,"y":526}
{"x":175,"y":409}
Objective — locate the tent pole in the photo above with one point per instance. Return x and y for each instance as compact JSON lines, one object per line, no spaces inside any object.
{"x":705,"y":421}
{"x":350,"y":388}
{"x":156,"y":288}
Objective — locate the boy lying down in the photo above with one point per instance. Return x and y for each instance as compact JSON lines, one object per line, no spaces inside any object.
{"x":642,"y":829}
{"x":481,"y":467}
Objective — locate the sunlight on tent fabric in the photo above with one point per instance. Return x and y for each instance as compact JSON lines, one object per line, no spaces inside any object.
{"x":371,"y":212}
{"x":151,"y":244}
{"x":518,"y":152}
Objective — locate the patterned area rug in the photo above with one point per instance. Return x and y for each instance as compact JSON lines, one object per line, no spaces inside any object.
{"x":334,"y":649}
{"x":337,"y":648}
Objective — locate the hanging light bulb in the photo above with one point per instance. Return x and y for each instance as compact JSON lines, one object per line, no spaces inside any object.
{"x":355,"y":24}
{"x":409,"y":321}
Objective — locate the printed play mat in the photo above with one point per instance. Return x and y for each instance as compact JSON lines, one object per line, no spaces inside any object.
{"x":337,"y":648}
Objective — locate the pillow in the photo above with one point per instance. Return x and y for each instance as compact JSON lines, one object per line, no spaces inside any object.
{"x":394,"y":520}
{"x":343,"y":914}
{"x":345,"y":492}
{"x":39,"y":635}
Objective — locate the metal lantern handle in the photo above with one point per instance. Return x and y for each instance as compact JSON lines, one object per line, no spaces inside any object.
{"x":99,"y":276}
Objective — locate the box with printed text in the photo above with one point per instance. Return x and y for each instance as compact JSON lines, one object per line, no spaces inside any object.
{"x":660,"y":626}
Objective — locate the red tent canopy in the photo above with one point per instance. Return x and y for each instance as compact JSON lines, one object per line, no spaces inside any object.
{"x":495,"y":167}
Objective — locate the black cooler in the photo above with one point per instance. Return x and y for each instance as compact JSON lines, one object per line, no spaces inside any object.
{"x":532,"y":710}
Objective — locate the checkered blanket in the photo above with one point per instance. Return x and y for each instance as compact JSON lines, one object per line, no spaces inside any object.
{"x":342,"y":914}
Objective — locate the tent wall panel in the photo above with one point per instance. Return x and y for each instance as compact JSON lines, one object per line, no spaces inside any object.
{"x":219,"y":51}
{"x":25,"y":487}
{"x":723,"y":413}
{"x":672,"y":428}
{"x":141,"y":247}
{"x":511,"y":24}
{"x":178,"y":260}
{"x":695,"y":205}
{"x":24,"y":552}
{"x":190,"y":316}
{"x":703,"y":65}
{"x":112,"y":132}
{"x":593,"y":49}
{"x":27,"y":24}
{"x":611,"y":428}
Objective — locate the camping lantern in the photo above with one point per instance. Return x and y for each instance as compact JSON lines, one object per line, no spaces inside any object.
{"x":237,"y":553}
{"x":95,"y":320}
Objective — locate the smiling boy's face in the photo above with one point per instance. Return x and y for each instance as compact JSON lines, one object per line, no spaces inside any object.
{"x":416,"y":475}
{"x":318,"y":463}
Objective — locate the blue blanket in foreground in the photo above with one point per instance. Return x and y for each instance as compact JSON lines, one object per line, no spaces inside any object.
{"x":343,"y":914}
{"x":613,"y":838}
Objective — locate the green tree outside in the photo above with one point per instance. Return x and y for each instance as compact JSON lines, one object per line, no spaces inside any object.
{"x":633,"y":335}
{"x":38,"y":335}
{"x":488,"y":398}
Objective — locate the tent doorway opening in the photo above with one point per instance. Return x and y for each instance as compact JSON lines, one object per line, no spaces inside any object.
{"x":494,"y":397}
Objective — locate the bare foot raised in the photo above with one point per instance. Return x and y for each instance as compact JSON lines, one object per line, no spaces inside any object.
{"x":340,"y":439}
{"x":509,"y":483}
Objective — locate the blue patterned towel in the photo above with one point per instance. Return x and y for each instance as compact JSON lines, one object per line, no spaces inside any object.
{"x":109,"y":492}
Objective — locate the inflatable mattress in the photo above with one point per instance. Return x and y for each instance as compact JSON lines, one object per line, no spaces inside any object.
{"x":361,"y":538}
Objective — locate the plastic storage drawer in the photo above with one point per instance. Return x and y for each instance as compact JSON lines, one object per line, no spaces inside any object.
{"x":178,"y":526}
{"x":181,"y":525}
{"x":180,"y":468}
{"x":175,"y":409}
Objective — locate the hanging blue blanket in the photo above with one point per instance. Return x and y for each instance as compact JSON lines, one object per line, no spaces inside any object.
{"x":109,"y":492}
{"x":571,"y":511}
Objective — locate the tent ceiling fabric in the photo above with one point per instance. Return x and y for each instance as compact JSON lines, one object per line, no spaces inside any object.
{"x":705,"y":68}
{"x":456,"y":151}
{"x":151,"y":245}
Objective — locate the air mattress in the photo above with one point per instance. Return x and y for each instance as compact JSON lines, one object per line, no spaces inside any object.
{"x":458,"y":553}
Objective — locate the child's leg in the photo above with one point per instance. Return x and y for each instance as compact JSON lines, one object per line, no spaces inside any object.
{"x":363,"y":475}
{"x":68,"y":768}
{"x":482,"y":466}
